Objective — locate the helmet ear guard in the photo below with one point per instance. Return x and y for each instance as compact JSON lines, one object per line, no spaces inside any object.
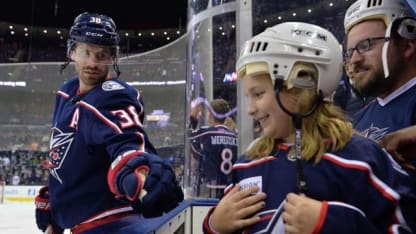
{"x":303,"y":76}
{"x":406,"y":27}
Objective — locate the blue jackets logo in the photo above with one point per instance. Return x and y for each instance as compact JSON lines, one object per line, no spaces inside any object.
{"x":59,"y":146}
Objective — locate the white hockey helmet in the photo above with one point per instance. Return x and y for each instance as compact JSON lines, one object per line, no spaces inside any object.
{"x":386,"y":10}
{"x":276,"y":50}
{"x":394,"y":13}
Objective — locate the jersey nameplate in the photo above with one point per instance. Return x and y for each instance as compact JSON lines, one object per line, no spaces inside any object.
{"x":250,"y":182}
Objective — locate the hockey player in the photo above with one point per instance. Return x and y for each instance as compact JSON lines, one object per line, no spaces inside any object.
{"x":214,"y":148}
{"x":308,"y":172}
{"x":104,"y":172}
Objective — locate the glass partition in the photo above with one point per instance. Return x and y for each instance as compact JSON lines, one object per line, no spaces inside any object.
{"x":216,"y":31}
{"x":27,"y":99}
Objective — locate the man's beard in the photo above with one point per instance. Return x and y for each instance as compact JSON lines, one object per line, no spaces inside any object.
{"x":375,"y":86}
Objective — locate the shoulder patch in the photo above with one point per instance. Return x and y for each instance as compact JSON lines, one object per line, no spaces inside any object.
{"x":111,"y":85}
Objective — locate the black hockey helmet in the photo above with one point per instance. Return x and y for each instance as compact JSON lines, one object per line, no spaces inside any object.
{"x":94,"y":29}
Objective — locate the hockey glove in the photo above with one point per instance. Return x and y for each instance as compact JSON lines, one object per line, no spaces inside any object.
{"x":161,"y":192}
{"x":43,"y":212}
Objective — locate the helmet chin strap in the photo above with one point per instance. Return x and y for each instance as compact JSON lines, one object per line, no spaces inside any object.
{"x":116,"y":69}
{"x":63,"y":66}
{"x":384,"y":52}
{"x":297,"y":120}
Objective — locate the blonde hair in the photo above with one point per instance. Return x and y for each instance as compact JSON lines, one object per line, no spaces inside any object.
{"x":230,"y":123}
{"x":327,"y":128}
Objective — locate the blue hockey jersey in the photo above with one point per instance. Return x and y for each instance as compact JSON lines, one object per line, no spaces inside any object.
{"x":215,"y":150}
{"x":89,"y":131}
{"x":395,"y":112}
{"x":360,"y":187}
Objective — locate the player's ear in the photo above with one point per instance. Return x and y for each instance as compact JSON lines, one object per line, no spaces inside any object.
{"x":71,"y":55}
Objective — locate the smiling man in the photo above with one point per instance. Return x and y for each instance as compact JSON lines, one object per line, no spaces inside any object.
{"x":380,"y":60}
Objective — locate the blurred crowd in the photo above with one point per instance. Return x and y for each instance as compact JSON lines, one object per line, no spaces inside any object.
{"x":24,"y":167}
{"x":30,"y":167}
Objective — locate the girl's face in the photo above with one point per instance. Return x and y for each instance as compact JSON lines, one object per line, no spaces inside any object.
{"x":263,"y":106}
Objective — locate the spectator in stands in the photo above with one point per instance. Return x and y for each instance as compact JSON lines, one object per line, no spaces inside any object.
{"x":104,"y":172}
{"x":6,"y":160}
{"x":402,"y":143}
{"x":214,"y":149}
{"x":16,"y":179}
{"x":309,"y":178}
{"x":381,"y":56}
{"x":373,"y":32}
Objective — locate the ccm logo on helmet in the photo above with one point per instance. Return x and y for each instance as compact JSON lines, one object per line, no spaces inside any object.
{"x":306,"y":33}
{"x":357,"y":8}
{"x":94,"y":34}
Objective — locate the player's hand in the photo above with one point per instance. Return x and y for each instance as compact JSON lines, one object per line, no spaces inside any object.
{"x":236,"y":209}
{"x":163,"y":192}
{"x":44,"y":218}
{"x":148,"y":182}
{"x":300,"y":213}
